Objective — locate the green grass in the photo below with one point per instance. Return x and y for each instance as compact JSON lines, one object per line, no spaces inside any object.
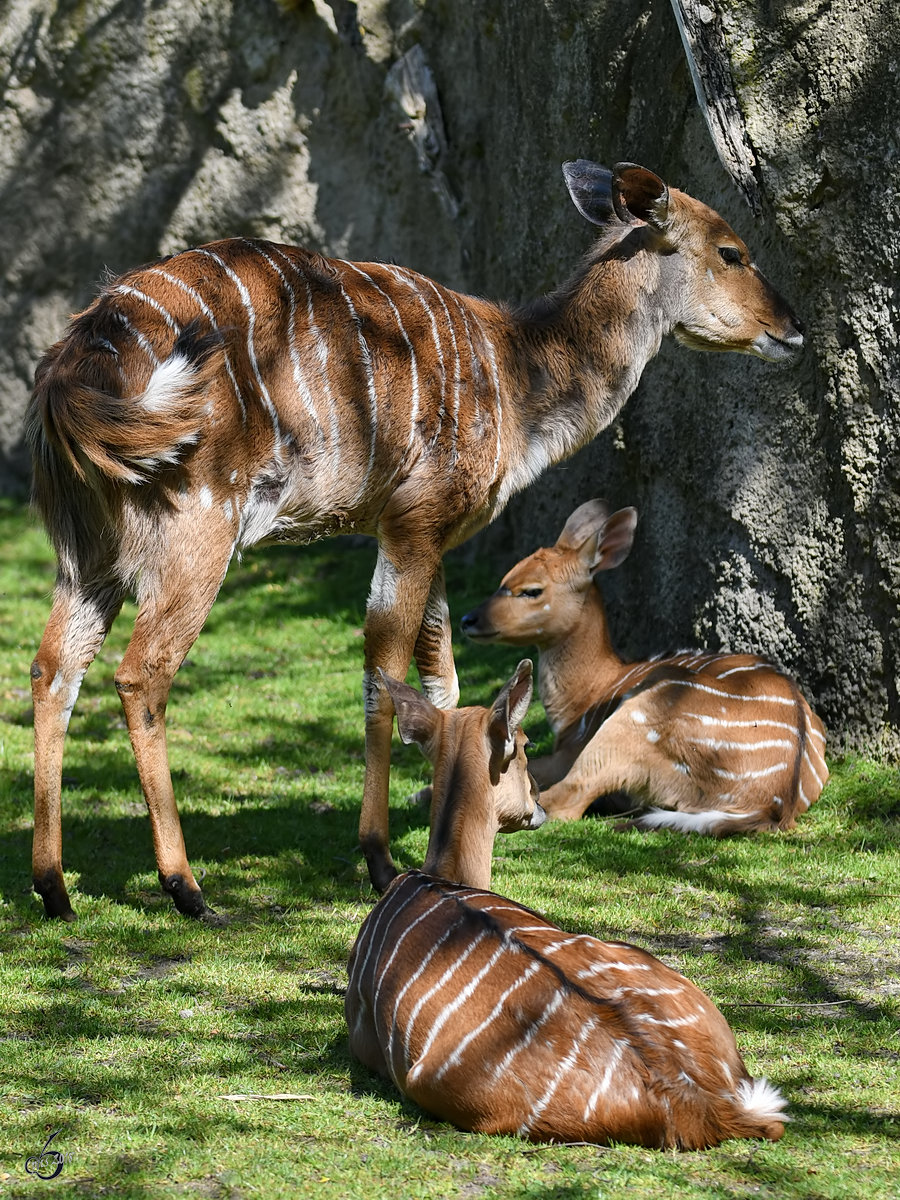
{"x":125,"y":1031}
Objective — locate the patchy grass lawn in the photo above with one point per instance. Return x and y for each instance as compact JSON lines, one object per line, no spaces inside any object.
{"x":124,"y":1035}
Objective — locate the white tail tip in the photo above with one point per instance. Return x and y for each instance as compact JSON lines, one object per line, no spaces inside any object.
{"x":760,"y":1099}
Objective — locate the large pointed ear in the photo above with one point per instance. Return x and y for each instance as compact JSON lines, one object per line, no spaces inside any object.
{"x":590,"y":187}
{"x":417,"y":718}
{"x":586,"y":521}
{"x":507,"y":714}
{"x":617,"y":540}
{"x":639,"y":196}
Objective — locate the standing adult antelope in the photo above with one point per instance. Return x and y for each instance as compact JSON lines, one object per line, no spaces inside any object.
{"x":490,"y":1017}
{"x":245,"y":391}
{"x":717,"y":743}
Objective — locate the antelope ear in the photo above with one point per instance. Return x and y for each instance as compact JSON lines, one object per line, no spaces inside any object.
{"x":639,"y":196}
{"x":507,"y":714}
{"x":590,"y":187}
{"x":417,"y":718}
{"x":617,"y":540}
{"x":586,"y":521}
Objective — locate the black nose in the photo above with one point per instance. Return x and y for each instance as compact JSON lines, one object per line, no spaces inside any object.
{"x":798,"y":324}
{"x":469,"y":621}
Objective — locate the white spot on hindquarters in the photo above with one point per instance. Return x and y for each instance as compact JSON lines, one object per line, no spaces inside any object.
{"x":206,"y":497}
{"x":762,"y":1100}
{"x":168,"y":383}
{"x":681,"y":767}
{"x":639,"y":717}
{"x":210,"y":316}
{"x":228,"y":510}
{"x":233,"y":477}
{"x":652,"y":735}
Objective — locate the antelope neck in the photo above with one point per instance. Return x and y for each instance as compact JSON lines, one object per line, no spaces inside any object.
{"x":461,"y":841}
{"x":579,"y":669}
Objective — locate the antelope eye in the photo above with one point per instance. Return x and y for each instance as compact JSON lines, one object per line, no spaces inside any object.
{"x":531,"y":593}
{"x":730,"y":254}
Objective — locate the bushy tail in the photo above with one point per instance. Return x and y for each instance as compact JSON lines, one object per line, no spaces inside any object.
{"x":77,"y":413}
{"x":760,"y":1110}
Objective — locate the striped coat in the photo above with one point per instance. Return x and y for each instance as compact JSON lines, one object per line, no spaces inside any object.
{"x":491,"y":1017}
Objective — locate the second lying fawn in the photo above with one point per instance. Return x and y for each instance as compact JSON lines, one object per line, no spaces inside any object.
{"x":705,"y":742}
{"x":493,"y":1018}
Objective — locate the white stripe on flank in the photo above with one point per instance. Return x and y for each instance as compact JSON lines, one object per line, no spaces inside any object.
{"x":598,"y":967}
{"x":668,"y":1022}
{"x":400,"y":275}
{"x":726,"y":696}
{"x":761,"y":774}
{"x":457,"y":373}
{"x":302,"y":386}
{"x":210,"y":316}
{"x":442,"y":981}
{"x":142,"y":342}
{"x":603,"y":1086}
{"x":416,"y":975}
{"x":812,"y":766}
{"x":414,"y":368}
{"x":125,"y":290}
{"x":569,"y":941}
{"x":760,"y":666}
{"x":391,"y":912}
{"x":454,"y":1059}
{"x":744,"y":747}
{"x":495,"y":379}
{"x":724,"y":723}
{"x":462,"y":996}
{"x":251,"y":349}
{"x":530,"y":1034}
{"x":377,"y":983}
{"x":565,"y":1066}
{"x":366,"y":358}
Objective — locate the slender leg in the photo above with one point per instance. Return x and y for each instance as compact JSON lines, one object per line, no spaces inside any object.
{"x":174,"y":604}
{"x":400,"y":588}
{"x":434,"y":648}
{"x":79,"y":621}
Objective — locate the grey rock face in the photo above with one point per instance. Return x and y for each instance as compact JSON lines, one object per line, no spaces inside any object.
{"x":769,"y":499}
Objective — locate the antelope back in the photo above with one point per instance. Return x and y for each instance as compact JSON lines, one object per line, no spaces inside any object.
{"x":493,"y":1018}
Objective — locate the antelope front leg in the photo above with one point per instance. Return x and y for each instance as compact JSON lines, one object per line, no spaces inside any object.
{"x":401,"y":586}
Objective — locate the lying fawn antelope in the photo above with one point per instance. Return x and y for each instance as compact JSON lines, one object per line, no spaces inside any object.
{"x":717,"y":743}
{"x":246,"y":391}
{"x":489,"y":1016}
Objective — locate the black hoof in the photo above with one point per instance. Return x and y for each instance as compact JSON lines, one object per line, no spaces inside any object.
{"x":187,"y":899}
{"x":382,"y":871}
{"x":52,"y":891}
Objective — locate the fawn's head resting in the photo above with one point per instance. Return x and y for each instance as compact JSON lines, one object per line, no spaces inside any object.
{"x":720,"y":300}
{"x":540,"y":600}
{"x":481,"y":782}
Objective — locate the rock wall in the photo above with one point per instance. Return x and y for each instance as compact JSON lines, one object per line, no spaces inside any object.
{"x":768,"y":498}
